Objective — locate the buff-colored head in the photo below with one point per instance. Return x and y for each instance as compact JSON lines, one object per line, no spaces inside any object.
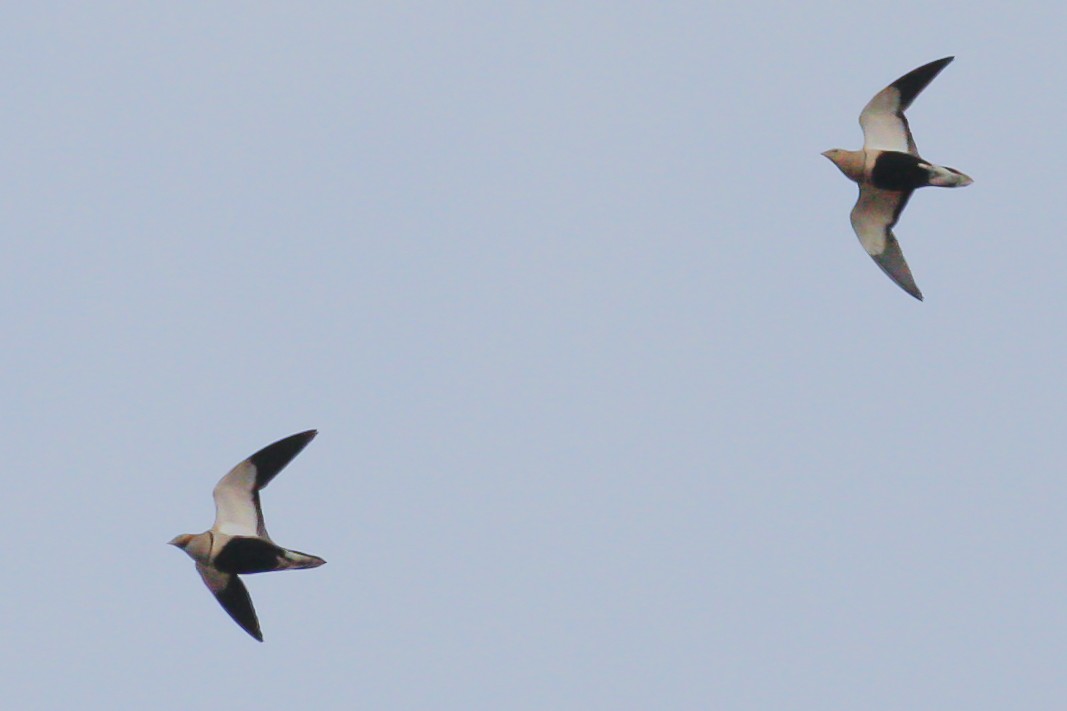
{"x":849,"y":162}
{"x":197,"y":547}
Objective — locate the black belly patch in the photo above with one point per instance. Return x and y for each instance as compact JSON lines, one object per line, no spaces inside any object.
{"x":899,"y":171}
{"x":248,"y":555}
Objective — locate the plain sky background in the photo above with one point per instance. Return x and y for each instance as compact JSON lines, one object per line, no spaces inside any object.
{"x":614,"y":411}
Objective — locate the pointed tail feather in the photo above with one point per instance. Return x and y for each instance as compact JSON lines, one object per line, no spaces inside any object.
{"x":295,"y":560}
{"x":944,"y":177}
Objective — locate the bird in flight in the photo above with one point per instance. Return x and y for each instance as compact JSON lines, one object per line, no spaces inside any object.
{"x":888,"y":169}
{"x":238,"y":542}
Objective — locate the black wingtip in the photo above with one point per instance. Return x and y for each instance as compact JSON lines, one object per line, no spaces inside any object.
{"x":274,"y":457}
{"x":891,"y":261}
{"x":237,"y":603}
{"x":911,"y":84}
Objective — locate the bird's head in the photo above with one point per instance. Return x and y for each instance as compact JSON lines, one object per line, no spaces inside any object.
{"x":197,"y":547}
{"x":849,"y":162}
{"x":181,"y":541}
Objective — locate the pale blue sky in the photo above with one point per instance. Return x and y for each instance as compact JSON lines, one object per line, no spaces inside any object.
{"x":614,"y":411}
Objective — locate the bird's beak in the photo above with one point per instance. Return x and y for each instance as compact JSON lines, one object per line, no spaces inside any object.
{"x":176,"y":541}
{"x":825,"y":154}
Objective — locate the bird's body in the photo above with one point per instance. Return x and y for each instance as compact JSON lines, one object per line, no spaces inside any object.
{"x":238,"y":543}
{"x":888,"y":169}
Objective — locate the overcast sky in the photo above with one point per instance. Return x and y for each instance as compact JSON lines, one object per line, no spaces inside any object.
{"x":614,"y":411}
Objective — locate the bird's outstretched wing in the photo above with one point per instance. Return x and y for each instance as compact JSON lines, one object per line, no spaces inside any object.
{"x":237,"y":508}
{"x":873,"y":217}
{"x":882,"y":119}
{"x":233,"y":596}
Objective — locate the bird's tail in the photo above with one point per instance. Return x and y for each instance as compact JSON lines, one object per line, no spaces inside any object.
{"x":294,"y":560}
{"x":943,"y":177}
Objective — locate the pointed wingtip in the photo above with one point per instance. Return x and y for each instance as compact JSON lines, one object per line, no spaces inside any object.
{"x":274,"y":457}
{"x":912,"y":84}
{"x":938,"y":64}
{"x":909,"y":286}
{"x":305,"y":436}
{"x":891,"y":261}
